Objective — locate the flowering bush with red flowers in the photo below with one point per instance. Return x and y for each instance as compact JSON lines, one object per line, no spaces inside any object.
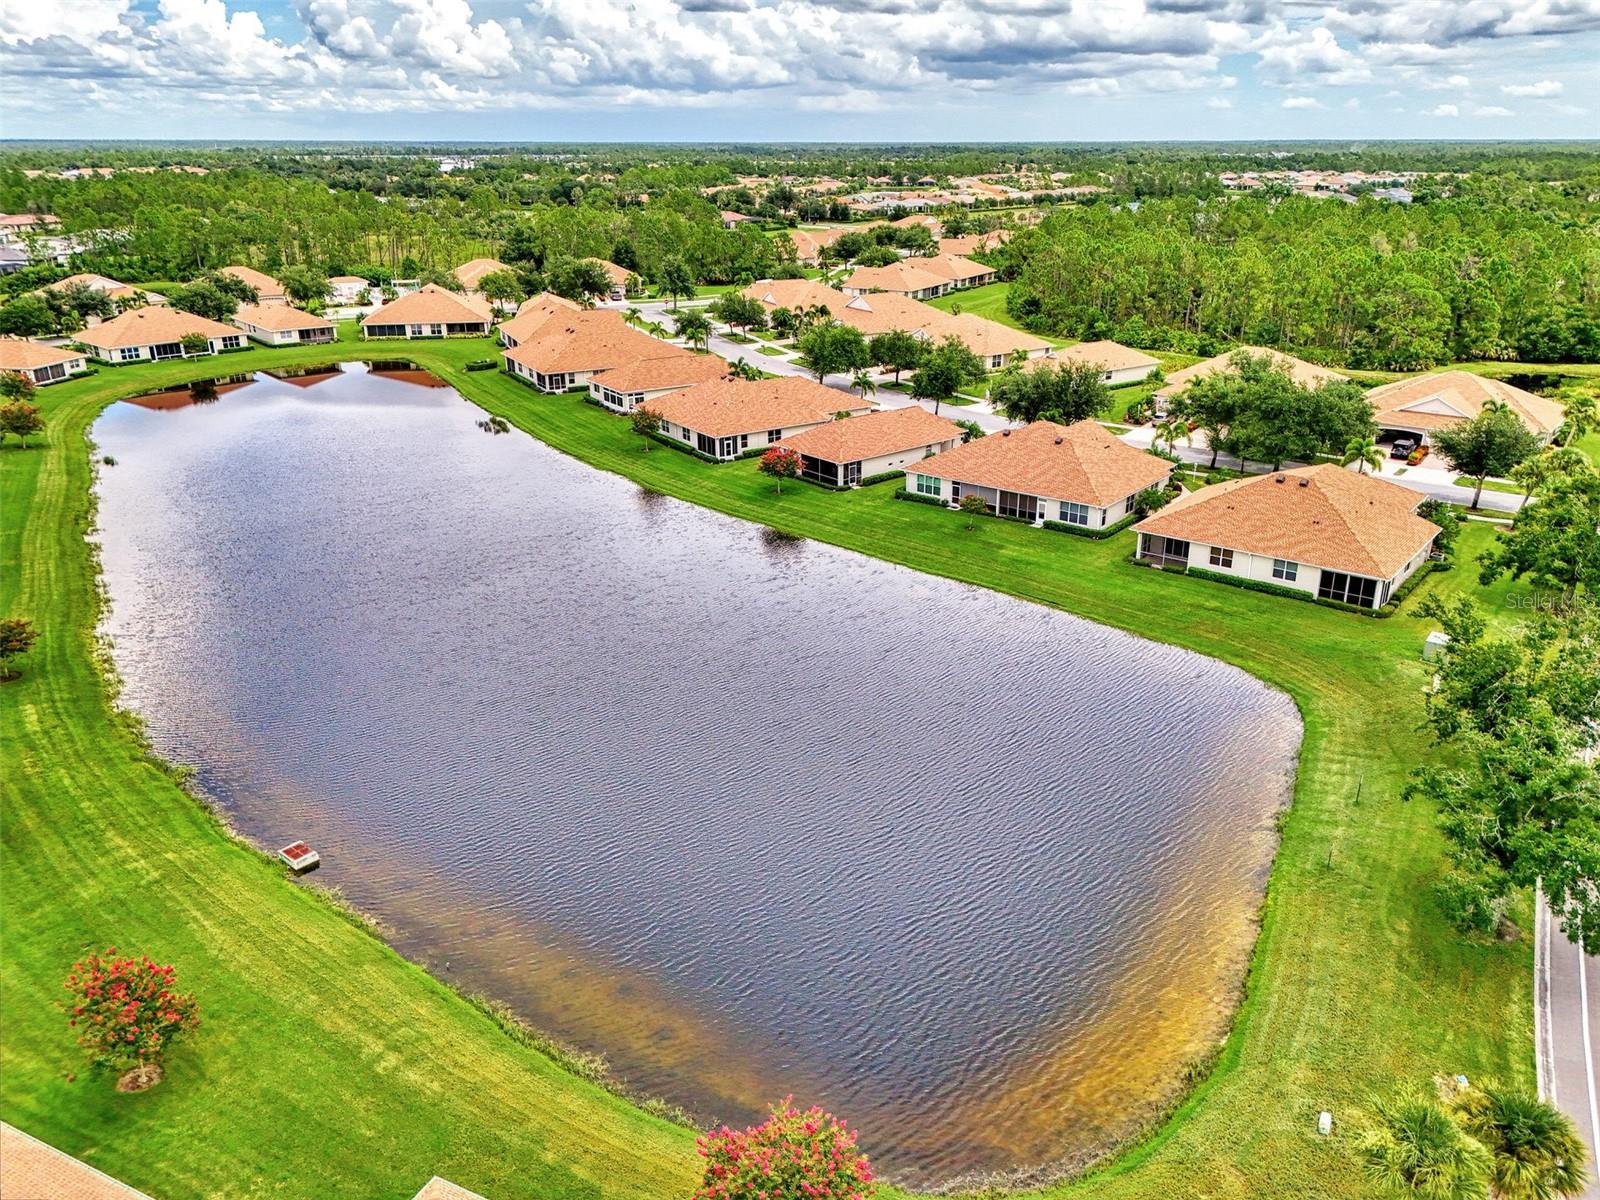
{"x":126,"y":1010}
{"x":793,"y":1155}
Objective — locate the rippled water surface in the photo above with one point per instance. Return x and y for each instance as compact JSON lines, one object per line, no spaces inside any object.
{"x":749,"y":815}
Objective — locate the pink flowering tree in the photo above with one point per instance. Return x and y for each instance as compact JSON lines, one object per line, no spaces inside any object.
{"x":781,"y":463}
{"x":792,"y":1155}
{"x":126,"y":1012}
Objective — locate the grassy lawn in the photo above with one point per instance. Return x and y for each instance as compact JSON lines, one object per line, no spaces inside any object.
{"x":772,"y":351}
{"x":986,"y":301}
{"x":1489,"y":485}
{"x":385,"y":1077}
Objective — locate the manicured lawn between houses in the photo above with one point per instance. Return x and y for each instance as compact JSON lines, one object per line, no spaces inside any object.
{"x":385,"y":1077}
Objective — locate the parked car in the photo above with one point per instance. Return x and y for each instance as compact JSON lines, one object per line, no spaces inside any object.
{"x":1403,"y":447}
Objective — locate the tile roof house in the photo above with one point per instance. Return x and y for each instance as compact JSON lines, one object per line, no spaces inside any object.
{"x":533,"y":313}
{"x":430,"y":311}
{"x":619,"y":277}
{"x":1323,"y":530}
{"x":908,"y":277}
{"x":796,"y":294}
{"x":843,"y":453}
{"x":268,"y":289}
{"x":622,"y":389}
{"x":994,"y":343}
{"x":38,"y":363}
{"x":113,"y":288}
{"x":470,"y":274}
{"x":1118,"y":364}
{"x":961,"y":272}
{"x":154,"y":333}
{"x":724,"y":418}
{"x":567,"y":353}
{"x":1302,"y":372}
{"x":347,"y":289}
{"x":974,"y":243}
{"x":1077,"y":474}
{"x":282,"y":325}
{"x":1427,"y":403}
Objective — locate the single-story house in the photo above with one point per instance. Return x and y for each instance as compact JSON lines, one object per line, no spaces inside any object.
{"x":282,"y":325}
{"x":622,"y":389}
{"x":961,"y":272}
{"x":532,"y":313}
{"x":796,"y":295}
{"x":1306,"y":374}
{"x":974,"y":243}
{"x":430,"y":311}
{"x":347,"y":289}
{"x":153,"y":333}
{"x":116,"y":290}
{"x":566,"y":353}
{"x":994,"y":343}
{"x":1427,"y":403}
{"x":1118,"y":364}
{"x":619,"y":277}
{"x":930,"y":223}
{"x":470,"y":274}
{"x":732,"y":220}
{"x":723,"y":418}
{"x":904,"y":278}
{"x":1077,"y":474}
{"x":1323,"y":530}
{"x":268,"y":289}
{"x":843,"y":453}
{"x":38,"y":363}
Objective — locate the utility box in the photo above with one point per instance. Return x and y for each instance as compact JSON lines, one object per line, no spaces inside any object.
{"x":1325,"y":1123}
{"x":1434,"y":646}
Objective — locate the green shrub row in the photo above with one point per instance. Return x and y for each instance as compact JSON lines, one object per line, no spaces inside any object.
{"x":901,"y":494}
{"x":1095,"y":535}
{"x":482,"y":364}
{"x":1389,"y":608}
{"x":881,"y":477}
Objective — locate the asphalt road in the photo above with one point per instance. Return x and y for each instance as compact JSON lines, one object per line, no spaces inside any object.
{"x":1567,"y":1030}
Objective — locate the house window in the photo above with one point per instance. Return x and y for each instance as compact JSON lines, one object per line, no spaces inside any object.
{"x":127,"y":353}
{"x":744,"y":441}
{"x":1074,"y":514}
{"x":1285,"y":570}
{"x":1221,"y":557}
{"x":927,"y":485}
{"x":1127,"y":505}
{"x":1348,"y":589}
{"x":774,"y":435}
{"x":230,"y":342}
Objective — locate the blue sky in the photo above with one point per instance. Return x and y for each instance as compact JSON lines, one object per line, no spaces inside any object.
{"x":751,"y":70}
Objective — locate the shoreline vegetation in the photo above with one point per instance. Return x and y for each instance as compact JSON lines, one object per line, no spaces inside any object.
{"x":389,"y":1076}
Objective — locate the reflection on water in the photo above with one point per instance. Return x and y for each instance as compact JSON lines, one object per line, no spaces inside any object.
{"x":747,"y":813}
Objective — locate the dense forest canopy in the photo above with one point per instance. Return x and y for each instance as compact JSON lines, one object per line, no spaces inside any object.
{"x":1498,"y":257}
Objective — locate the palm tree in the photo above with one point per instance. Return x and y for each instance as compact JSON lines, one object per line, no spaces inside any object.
{"x":739,"y":369}
{"x":1418,"y":1149}
{"x":656,"y":329}
{"x":1169,"y":431}
{"x":1364,"y":452}
{"x":1583,"y":414}
{"x":862,"y":382}
{"x":1534,"y":1148}
{"x":631,"y":315}
{"x":693,"y":328}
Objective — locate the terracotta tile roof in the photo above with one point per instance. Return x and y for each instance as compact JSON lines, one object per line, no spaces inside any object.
{"x":1339,"y":519}
{"x":974,"y":243}
{"x":442,"y":1189}
{"x":1112,"y":356}
{"x":1448,"y":397}
{"x":596,"y":340}
{"x":278,"y":317}
{"x":1302,"y":372}
{"x":917,"y":219}
{"x":984,"y":337}
{"x":350,"y":279}
{"x":100,"y":283}
{"x":879,"y":312}
{"x":470,"y":274}
{"x":805,"y":243}
{"x":619,"y":276}
{"x":873,"y":434}
{"x":33,"y":1170}
{"x":796,"y":294}
{"x":951,"y":266}
{"x":534,"y":312}
{"x":670,"y":370}
{"x":727,"y":406}
{"x":147,"y":326}
{"x":265,"y":285}
{"x":431,"y":305}
{"x":902,"y":277}
{"x":19,"y":354}
{"x":1083,"y":463}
